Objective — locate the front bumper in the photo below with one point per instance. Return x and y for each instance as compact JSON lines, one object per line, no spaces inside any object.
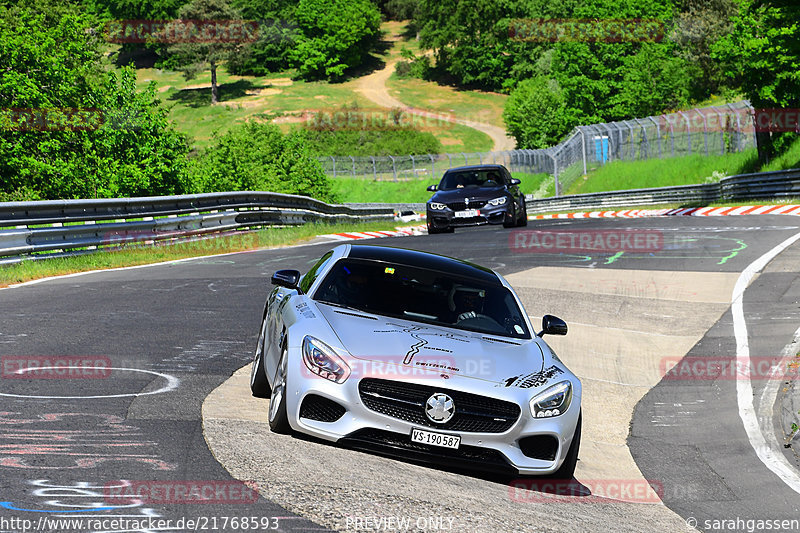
{"x":486,"y":215}
{"x":362,"y":428}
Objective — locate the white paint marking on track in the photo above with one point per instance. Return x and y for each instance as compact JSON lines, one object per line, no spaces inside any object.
{"x":772,"y":458}
{"x":172,"y":384}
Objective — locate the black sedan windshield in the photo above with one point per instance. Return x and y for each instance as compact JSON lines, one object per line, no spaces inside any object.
{"x":423,"y":295}
{"x":471,"y":179}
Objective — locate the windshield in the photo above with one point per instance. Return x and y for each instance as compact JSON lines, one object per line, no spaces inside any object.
{"x":471,"y":179}
{"x":423,"y":295}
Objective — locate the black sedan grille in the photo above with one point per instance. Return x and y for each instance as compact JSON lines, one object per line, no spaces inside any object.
{"x":406,"y":401}
{"x":460,"y":206}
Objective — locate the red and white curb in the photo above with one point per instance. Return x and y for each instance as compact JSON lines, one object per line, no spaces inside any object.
{"x":690,"y":211}
{"x":358,"y":235}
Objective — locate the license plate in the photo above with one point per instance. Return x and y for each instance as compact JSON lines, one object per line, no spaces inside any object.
{"x":469,"y":213}
{"x":435,"y":439}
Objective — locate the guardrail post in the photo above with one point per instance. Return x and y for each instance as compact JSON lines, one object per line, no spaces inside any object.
{"x":413,"y":166}
{"x":721,"y":131}
{"x":334,"y":166}
{"x":449,"y":161}
{"x":688,"y":131}
{"x":658,"y":135}
{"x":433,"y":166}
{"x":353,"y":159}
{"x":705,"y":129}
{"x":374,"y":169}
{"x":583,"y":148}
{"x":465,"y":158}
{"x":633,"y":143}
{"x":555,"y":174}
{"x":394,"y":168}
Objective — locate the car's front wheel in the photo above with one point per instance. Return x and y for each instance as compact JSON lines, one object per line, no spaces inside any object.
{"x":278,"y":419}
{"x":432,"y":230}
{"x":523,"y":221}
{"x":567,"y":469}
{"x":259,"y":385}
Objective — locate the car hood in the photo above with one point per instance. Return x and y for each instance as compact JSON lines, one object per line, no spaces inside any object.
{"x":399,"y":347}
{"x":481,"y":194}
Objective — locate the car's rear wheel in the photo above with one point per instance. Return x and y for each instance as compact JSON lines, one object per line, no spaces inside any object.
{"x":567,"y":469}
{"x":278,"y":419}
{"x":259,"y":385}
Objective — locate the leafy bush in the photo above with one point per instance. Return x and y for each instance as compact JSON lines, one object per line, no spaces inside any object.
{"x":535,"y":113}
{"x":81,"y":133}
{"x":335,"y":35}
{"x":258,"y":157}
{"x":358,"y":132}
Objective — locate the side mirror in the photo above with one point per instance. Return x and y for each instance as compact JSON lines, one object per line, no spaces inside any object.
{"x":432,"y":188}
{"x":286,"y":278}
{"x":515,"y":181}
{"x":552,"y":325}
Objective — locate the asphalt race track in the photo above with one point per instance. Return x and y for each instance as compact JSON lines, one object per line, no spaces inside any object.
{"x":171,"y":334}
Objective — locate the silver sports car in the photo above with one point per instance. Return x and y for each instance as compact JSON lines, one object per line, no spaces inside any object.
{"x":417,"y":355}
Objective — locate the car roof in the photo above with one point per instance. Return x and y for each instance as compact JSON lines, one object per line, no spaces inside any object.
{"x":476,"y":167}
{"x":425,"y":260}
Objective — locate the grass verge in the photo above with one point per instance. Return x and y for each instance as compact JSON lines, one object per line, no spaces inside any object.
{"x":784,"y":201}
{"x":411,"y":190}
{"x":141,"y":255}
{"x":689,"y":170}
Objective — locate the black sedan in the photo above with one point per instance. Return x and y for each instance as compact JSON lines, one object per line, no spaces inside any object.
{"x":472,"y":195}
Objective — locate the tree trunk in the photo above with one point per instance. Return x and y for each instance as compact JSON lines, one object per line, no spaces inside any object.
{"x":764,"y":146}
{"x":214,"y":95}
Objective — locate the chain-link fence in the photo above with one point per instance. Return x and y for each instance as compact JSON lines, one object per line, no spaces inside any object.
{"x":705,"y":131}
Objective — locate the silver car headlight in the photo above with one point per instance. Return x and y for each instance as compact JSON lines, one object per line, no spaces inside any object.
{"x":497,"y":201}
{"x":552,"y":401}
{"x":323,"y":361}
{"x":436,"y":206}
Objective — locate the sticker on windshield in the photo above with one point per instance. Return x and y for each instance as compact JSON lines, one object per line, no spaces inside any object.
{"x":518,"y":329}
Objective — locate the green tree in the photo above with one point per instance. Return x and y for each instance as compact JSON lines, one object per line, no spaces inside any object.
{"x":205,"y":47}
{"x":277,"y":34}
{"x":698,"y":25}
{"x":763,"y":51}
{"x":70,"y":130}
{"x":335,"y":35}
{"x":258,"y":157}
{"x":535,"y":113}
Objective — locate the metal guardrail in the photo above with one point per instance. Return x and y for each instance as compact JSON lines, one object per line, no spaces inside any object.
{"x":49,"y":227}
{"x":763,"y":185}
{"x":63,"y":225}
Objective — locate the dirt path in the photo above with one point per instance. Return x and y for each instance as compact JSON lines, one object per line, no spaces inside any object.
{"x":373,"y":87}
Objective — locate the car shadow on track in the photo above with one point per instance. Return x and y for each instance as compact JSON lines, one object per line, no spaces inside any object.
{"x":572,"y":488}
